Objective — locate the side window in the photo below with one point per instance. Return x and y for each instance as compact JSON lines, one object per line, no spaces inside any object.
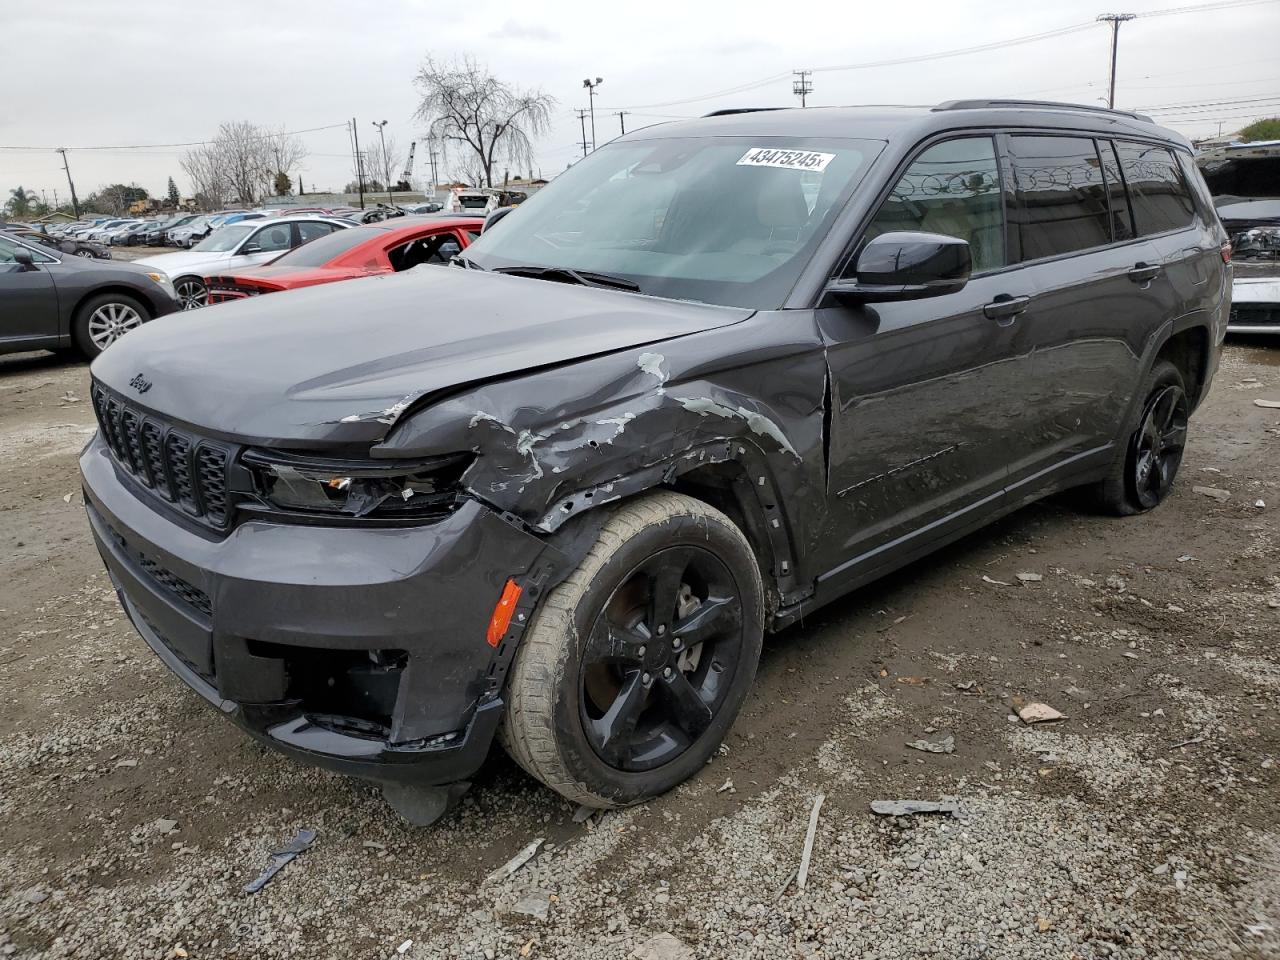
{"x":273,"y":238}
{"x":431,"y":249}
{"x":1060,"y":203}
{"x":8,"y":247}
{"x":1121,"y":214}
{"x":952,"y":188}
{"x":309,"y":231}
{"x":1161,"y":200}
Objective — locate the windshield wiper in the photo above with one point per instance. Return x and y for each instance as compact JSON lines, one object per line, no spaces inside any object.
{"x":466,"y":262}
{"x":586,"y":278}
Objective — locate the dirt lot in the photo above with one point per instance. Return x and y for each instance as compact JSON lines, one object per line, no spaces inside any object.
{"x":1145,"y":825}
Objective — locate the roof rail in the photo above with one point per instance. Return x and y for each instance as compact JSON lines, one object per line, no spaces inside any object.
{"x":1039,"y":104}
{"x":730,"y":111}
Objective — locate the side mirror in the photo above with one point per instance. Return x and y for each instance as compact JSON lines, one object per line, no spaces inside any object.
{"x":494,"y":217}
{"x":251,"y":248}
{"x":906,"y":266}
{"x":22,"y":256}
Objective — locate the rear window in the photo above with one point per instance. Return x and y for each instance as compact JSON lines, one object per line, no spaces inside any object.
{"x":321,"y":250}
{"x":1160,"y":198}
{"x":1061,"y":197}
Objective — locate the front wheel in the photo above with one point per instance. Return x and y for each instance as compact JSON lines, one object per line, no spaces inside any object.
{"x":104,"y":319}
{"x":1142,"y":474}
{"x":635,"y":666}
{"x":192,"y":293}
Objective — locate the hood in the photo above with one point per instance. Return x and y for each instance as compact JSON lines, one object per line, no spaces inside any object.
{"x":196,"y":262}
{"x":340,"y":363}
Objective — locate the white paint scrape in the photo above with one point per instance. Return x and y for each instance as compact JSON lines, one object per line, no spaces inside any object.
{"x":758,"y":422}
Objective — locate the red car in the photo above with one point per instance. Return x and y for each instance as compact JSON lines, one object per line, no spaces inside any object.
{"x":385,"y":247}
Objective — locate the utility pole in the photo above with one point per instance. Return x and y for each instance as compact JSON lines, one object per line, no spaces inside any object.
{"x":802,"y":86}
{"x":591,"y":105}
{"x":582,"y":118}
{"x":355,"y":134}
{"x":431,"y":155}
{"x":75,"y":204}
{"x":1115,"y":19}
{"x":386,"y":161}
{"x":622,"y":121}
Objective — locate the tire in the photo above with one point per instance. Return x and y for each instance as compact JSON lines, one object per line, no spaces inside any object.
{"x":87,"y":254}
{"x":1142,"y":473}
{"x":567,"y":721}
{"x":104,"y":319}
{"x":192,"y":293}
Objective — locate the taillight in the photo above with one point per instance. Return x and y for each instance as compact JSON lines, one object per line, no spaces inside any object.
{"x":1226,"y":251}
{"x":503,"y":612}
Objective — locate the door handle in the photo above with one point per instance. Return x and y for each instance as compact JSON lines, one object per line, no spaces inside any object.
{"x":1144,"y":272}
{"x":1005,"y":308}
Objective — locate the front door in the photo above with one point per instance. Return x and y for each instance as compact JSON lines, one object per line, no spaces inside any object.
{"x":926,"y":395}
{"x":28,"y":298}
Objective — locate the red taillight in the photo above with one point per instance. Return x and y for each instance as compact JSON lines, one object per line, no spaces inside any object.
{"x":503,"y":613}
{"x":1226,"y":251}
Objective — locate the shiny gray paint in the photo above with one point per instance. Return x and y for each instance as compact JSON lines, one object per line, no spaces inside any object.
{"x":847,"y":439}
{"x":38,"y":307}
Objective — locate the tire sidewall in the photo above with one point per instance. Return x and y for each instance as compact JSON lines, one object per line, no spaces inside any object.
{"x":581,"y":761}
{"x":81,"y":327}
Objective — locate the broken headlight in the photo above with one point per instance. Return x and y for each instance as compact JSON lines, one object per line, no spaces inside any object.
{"x":358,"y":488}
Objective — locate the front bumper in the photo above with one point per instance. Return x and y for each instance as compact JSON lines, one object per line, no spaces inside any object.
{"x":360,"y":650}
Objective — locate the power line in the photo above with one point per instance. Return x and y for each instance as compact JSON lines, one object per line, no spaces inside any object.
{"x":192,"y":143}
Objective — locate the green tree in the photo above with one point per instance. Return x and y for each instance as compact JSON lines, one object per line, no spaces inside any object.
{"x":174,"y":197}
{"x":1261,"y":130}
{"x":282,"y":184}
{"x":20,"y":201}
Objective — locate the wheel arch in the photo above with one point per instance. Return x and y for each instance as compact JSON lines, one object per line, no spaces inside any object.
{"x":1188,"y":349}
{"x":118,"y":288}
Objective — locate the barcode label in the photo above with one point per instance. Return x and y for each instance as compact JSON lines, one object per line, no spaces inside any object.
{"x":787,"y":159}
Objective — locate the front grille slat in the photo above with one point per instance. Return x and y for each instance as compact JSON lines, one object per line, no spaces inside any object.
{"x":180,"y":468}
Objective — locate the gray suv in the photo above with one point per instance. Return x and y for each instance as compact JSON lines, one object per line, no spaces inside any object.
{"x":719,"y":373}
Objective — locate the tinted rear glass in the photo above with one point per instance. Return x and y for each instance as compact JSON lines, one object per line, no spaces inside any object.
{"x":1160,"y":198}
{"x":1061,"y":198}
{"x":321,"y":250}
{"x":1121,"y":214}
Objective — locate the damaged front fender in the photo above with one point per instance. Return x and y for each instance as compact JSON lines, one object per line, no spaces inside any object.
{"x":554,"y":443}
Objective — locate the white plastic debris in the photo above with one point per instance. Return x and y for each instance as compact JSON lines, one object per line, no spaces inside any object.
{"x":516,"y":862}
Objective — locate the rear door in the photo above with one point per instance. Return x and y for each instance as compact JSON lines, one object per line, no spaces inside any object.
{"x":1098,"y":292}
{"x":28,"y":297}
{"x":926,"y":394}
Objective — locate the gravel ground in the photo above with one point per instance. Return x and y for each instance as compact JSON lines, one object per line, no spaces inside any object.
{"x":1145,"y":825}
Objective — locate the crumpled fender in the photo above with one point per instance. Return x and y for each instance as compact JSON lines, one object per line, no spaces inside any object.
{"x":553,"y":443}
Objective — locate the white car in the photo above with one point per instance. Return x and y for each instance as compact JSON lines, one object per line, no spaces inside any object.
{"x":236,"y":245}
{"x":99,"y":233}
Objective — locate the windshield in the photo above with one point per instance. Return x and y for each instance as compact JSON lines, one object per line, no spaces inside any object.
{"x":727,"y":220}
{"x":321,"y":250}
{"x":220,"y":241}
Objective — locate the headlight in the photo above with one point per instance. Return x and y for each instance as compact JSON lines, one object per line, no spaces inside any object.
{"x":165,"y":283}
{"x":358,"y":488}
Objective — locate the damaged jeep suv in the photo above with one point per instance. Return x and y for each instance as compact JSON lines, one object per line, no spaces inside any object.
{"x":716,"y":375}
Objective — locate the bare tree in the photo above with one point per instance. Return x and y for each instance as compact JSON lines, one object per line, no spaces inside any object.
{"x":471,"y":110}
{"x":283,"y":152}
{"x":383,"y":167}
{"x":203,"y":167}
{"x":243,"y":153}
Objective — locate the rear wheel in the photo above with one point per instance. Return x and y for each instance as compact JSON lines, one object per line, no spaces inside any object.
{"x":104,"y":319}
{"x":192,"y":293}
{"x":634,"y":667}
{"x":1142,"y":474}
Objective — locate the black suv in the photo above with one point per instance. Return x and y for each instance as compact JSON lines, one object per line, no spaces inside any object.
{"x":717,"y":374}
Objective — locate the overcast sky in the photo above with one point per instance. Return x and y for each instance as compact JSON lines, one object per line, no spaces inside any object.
{"x":111,"y":73}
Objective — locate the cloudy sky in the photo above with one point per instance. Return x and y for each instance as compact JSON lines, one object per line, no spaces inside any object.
{"x":106,"y":73}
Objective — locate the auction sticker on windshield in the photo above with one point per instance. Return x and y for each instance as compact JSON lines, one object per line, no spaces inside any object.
{"x":787,"y":159}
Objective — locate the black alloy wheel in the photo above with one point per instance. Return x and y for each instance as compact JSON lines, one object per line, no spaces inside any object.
{"x":661,"y":658}
{"x":1158,"y":445}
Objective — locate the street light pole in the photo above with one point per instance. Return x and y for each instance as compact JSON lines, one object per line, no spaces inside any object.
{"x":591,"y":105}
{"x":75,"y":204}
{"x":1115,"y":19}
{"x":386,"y":161}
